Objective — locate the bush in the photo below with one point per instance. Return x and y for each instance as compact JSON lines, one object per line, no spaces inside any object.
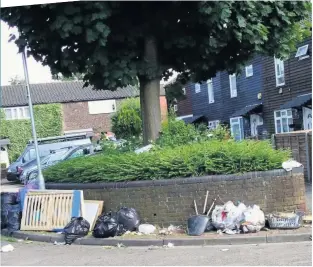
{"x":177,"y":132}
{"x":204,"y":158}
{"x":126,"y":122}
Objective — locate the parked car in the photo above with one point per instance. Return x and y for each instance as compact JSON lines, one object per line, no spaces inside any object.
{"x":45,"y":146}
{"x":56,"y":157}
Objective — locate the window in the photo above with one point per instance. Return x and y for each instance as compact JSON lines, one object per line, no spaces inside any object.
{"x":77,"y":153}
{"x":233,"y":85}
{"x":249,"y":71}
{"x":184,"y":91}
{"x":101,"y":106}
{"x":283,"y":118}
{"x":210,"y":91}
{"x":16,"y":113}
{"x":213,"y":124}
{"x":197,"y":88}
{"x":302,"y":52}
{"x":279,"y":72}
{"x":175,"y":108}
{"x":236,"y":127}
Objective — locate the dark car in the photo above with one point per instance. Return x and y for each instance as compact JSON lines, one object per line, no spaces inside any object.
{"x":57,"y":157}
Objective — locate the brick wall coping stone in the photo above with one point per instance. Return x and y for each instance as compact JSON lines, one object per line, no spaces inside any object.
{"x":174,"y":181}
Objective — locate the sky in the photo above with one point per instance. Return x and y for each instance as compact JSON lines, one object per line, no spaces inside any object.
{"x":11,"y":61}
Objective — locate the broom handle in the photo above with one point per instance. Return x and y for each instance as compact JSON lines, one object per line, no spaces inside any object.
{"x":205,"y":202}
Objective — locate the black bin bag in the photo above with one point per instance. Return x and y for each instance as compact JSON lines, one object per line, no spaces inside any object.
{"x":7,"y":200}
{"x":129,"y":218}
{"x":78,"y":227}
{"x":107,"y":226}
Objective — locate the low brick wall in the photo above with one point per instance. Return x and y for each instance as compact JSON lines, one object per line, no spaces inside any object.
{"x":165,"y":202}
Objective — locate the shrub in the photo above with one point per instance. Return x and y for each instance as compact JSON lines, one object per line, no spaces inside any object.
{"x":204,"y":158}
{"x":126,"y":122}
{"x":177,"y":132}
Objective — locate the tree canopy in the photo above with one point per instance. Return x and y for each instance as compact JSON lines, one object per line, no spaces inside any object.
{"x":116,"y":43}
{"x":15,"y":80}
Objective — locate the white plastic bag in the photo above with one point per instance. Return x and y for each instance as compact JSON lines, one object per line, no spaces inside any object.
{"x":253,"y":219}
{"x":290,"y":164}
{"x":146,"y":229}
{"x":228,"y":216}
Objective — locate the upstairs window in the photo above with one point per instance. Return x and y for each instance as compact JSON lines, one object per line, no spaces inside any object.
{"x":302,"y":52}
{"x":101,"y":107}
{"x":210,"y":91}
{"x":233,"y":85}
{"x":175,"y":108}
{"x":17,"y":113}
{"x":249,"y":71}
{"x":184,"y":91}
{"x":279,"y":72}
{"x":197,"y":88}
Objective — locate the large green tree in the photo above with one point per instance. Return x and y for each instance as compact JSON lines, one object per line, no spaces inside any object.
{"x":118,"y":43}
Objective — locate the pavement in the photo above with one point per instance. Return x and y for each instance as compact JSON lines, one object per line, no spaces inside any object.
{"x":44,"y":254}
{"x":7,"y":186}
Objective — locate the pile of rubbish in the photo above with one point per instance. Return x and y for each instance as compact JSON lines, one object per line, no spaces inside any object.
{"x":10,"y":212}
{"x":231,"y":219}
{"x":109,"y":224}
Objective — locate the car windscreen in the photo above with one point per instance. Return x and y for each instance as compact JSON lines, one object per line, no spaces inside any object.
{"x":56,"y":156}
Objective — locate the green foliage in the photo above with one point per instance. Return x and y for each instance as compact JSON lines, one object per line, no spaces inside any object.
{"x":73,"y":77}
{"x":15,"y":80}
{"x":196,"y":39}
{"x":126,"y":122}
{"x":197,"y":159}
{"x":221,"y":132}
{"x":48,"y":121}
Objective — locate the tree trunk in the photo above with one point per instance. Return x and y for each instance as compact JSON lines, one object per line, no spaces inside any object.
{"x":150,"y":96}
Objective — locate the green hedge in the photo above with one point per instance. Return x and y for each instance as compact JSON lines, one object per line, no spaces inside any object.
{"x":48,"y":121}
{"x":211,"y":157}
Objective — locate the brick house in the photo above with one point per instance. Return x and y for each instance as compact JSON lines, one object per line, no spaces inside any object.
{"x":82,"y":108}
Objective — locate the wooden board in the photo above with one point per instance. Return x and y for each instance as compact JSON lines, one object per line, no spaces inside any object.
{"x":50,"y":210}
{"x":93,"y":210}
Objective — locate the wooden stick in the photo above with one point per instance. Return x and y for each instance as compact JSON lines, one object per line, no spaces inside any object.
{"x":196,"y":209}
{"x":205,"y":202}
{"x":211,"y":207}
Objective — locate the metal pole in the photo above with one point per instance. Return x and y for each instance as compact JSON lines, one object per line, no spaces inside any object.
{"x":31,"y":113}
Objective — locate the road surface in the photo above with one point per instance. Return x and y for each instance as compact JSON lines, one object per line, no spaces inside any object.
{"x":43,"y":254}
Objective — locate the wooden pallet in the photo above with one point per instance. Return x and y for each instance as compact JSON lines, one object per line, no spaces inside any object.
{"x":51,"y":210}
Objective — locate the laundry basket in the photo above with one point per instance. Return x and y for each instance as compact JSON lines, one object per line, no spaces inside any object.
{"x":284,"y":221}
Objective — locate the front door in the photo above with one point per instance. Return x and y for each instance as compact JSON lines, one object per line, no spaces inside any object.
{"x":307,"y":118}
{"x":255,"y":121}
{"x":236,"y":127}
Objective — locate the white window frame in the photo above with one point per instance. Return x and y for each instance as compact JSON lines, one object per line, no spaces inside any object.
{"x":280,"y":118}
{"x":240,"y":119}
{"x":21,"y":113}
{"x":98,"y":107}
{"x":279,"y":62}
{"x":213,"y":124}
{"x":302,"y":52}
{"x":184,"y":91}
{"x":210,"y":91}
{"x":175,"y":107}
{"x":249,"y":70}
{"x":233,"y":91}
{"x":197,"y":88}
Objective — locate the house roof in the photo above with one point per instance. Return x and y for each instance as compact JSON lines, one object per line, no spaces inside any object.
{"x":300,"y":100}
{"x":61,"y":92}
{"x":246,"y":110}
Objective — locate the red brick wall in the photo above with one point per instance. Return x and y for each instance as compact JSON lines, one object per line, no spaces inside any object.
{"x":76,"y":116}
{"x":163,"y":105}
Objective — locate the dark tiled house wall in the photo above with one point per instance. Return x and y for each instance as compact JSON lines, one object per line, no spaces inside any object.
{"x":184,"y":106}
{"x":224,"y":106}
{"x":298,"y":80}
{"x":165,"y":202}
